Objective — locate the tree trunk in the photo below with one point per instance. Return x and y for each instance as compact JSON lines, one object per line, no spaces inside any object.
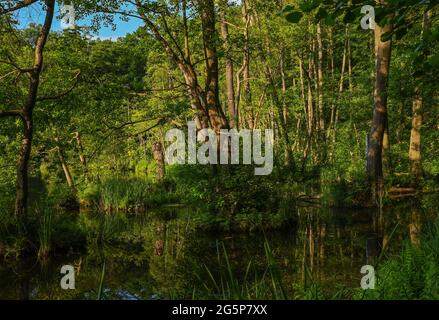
{"x":331,"y":58}
{"x":66,"y":169}
{"x":159,"y":158}
{"x":415,"y":226}
{"x":246,"y":51}
{"x":320,"y":79}
{"x":335,"y":111}
{"x":82,"y":157}
{"x":386,"y":152}
{"x":302,"y":92}
{"x":282,"y":121}
{"x":229,"y":72}
{"x":22,"y":188}
{"x":311,"y":117}
{"x":182,"y":59}
{"x":415,"y":155}
{"x":415,"y":137}
{"x":216,"y":115}
{"x":374,"y":155}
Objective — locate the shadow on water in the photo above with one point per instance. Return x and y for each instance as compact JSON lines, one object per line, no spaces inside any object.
{"x":162,"y":255}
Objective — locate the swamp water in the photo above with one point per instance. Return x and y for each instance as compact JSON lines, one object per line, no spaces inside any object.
{"x":161,"y":255}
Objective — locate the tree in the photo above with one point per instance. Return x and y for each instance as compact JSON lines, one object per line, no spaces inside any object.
{"x":383,"y":49}
{"x":418,"y":102}
{"x":25,"y":113}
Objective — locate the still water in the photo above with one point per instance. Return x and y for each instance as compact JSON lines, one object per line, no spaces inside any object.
{"x":161,"y":255}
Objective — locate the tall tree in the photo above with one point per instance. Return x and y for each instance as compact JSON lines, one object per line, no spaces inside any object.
{"x":383,"y":48}
{"x":216,"y":114}
{"x":26,"y":112}
{"x":415,"y":155}
{"x":230,"y":86}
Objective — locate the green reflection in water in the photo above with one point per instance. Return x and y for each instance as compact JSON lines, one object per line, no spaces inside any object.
{"x":162,"y":255}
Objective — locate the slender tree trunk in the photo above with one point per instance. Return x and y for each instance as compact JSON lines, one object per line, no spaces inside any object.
{"x":415,"y":137}
{"x":82,"y":157}
{"x":229,"y":72}
{"x":284,"y":89}
{"x":350,"y":65}
{"x":187,"y":50}
{"x":159,"y":158}
{"x":283,"y":124}
{"x":308,"y":146}
{"x":22,"y":187}
{"x":415,"y":155}
{"x":386,"y":152}
{"x":311,"y":115}
{"x":331,"y":57}
{"x":374,"y":155}
{"x":27,"y":115}
{"x":335,"y":112}
{"x":66,"y":169}
{"x":401,"y":117}
{"x":246,"y":16}
{"x":302,"y":91}
{"x":415,"y":226}
{"x":320,"y":78}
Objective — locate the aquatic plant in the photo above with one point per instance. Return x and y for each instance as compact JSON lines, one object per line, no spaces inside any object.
{"x":45,"y":232}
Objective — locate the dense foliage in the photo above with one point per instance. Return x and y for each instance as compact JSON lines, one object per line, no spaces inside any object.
{"x":83,"y":121}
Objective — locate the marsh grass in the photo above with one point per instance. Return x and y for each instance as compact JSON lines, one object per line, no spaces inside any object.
{"x":122,"y":194}
{"x":12,"y":239}
{"x":100,"y":294}
{"x":45,"y":232}
{"x":228,"y":284}
{"x":103,"y":228}
{"x":412,"y":274}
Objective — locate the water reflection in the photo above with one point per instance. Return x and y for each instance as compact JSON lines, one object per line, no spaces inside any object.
{"x":161,"y":255}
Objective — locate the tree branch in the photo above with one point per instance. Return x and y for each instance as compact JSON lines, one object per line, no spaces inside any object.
{"x":159,"y":123}
{"x":119,"y":127}
{"x":63,"y":94}
{"x":11,"y":113}
{"x":16,"y":66}
{"x":18,"y":6}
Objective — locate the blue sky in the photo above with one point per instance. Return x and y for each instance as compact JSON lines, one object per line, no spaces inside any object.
{"x":35,"y":14}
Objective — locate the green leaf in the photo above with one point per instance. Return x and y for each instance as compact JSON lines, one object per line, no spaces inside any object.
{"x":400,"y":33}
{"x":288,"y":8}
{"x":294,"y":17}
{"x":349,"y":17}
{"x":321,"y":14}
{"x":434,"y":61}
{"x":329,"y":20}
{"x":309,"y":6}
